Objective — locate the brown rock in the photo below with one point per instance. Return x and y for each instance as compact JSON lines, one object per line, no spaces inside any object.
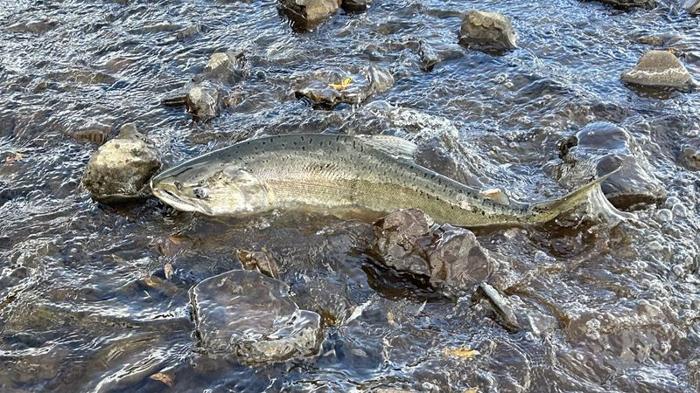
{"x":487,"y":31}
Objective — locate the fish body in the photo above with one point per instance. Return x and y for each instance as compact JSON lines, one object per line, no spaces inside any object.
{"x":329,"y":173}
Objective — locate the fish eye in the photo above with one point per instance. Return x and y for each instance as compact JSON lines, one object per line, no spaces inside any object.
{"x":178,"y":185}
{"x":200,"y":192}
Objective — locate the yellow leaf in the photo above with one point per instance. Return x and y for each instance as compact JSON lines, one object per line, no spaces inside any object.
{"x":164,"y":378}
{"x":342,"y":85}
{"x":461,"y":352}
{"x":472,"y":390}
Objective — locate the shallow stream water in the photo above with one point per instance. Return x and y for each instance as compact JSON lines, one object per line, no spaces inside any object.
{"x":84,"y":302}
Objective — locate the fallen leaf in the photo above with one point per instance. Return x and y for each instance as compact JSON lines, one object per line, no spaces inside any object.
{"x":164,"y":378}
{"x":342,"y":85}
{"x":472,"y":390}
{"x":461,"y":352}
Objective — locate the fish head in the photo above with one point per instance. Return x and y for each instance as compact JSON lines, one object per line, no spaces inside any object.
{"x":210,"y":188}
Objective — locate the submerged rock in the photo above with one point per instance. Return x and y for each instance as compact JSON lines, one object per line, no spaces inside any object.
{"x":690,"y":155}
{"x":658,"y":68}
{"x":203,"y":101}
{"x":398,"y":241}
{"x":626,"y":4}
{"x":449,"y":258}
{"x":598,"y":149}
{"x":226,"y":66}
{"x":428,"y":56}
{"x":121,"y":168}
{"x":328,"y":88}
{"x":308,"y":13}
{"x":248,"y":315}
{"x":692,"y":6}
{"x":356,"y":5}
{"x":487,"y":31}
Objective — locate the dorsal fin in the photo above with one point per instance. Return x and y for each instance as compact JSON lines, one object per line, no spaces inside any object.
{"x":392,"y":145}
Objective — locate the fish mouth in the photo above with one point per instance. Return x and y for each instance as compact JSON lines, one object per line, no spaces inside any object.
{"x":172,"y":199}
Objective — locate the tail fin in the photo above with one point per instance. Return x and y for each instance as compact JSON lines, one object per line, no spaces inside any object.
{"x":549,"y":210}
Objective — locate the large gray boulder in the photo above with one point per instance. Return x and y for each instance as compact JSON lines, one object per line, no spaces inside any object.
{"x":488,"y":31}
{"x":658,"y":68}
{"x":250,"y":316}
{"x":449,"y":258}
{"x":598,"y":149}
{"x":121,"y":168}
{"x":306,"y":14}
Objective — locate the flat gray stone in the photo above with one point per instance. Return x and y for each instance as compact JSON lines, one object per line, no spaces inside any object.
{"x":250,"y":316}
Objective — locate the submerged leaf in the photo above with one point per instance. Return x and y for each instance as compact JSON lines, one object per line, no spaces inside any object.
{"x":164,"y":378}
{"x":461,"y":352}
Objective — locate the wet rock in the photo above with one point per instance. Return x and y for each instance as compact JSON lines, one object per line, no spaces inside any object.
{"x":248,"y":315}
{"x":598,"y":149}
{"x":626,"y":4}
{"x":121,"y":168}
{"x":95,"y":133}
{"x":692,"y":6}
{"x":380,"y":79}
{"x":226,"y":66}
{"x":203,"y":101}
{"x":449,"y":258}
{"x":658,"y":68}
{"x":660,"y":39}
{"x":35,"y":26}
{"x":629,"y":4}
{"x":260,"y":261}
{"x":398,"y":237}
{"x":487,"y":31}
{"x":308,"y":13}
{"x":328,"y":88}
{"x":356,"y":5}
{"x":428,"y":56}
{"x":500,"y":305}
{"x":690,"y":155}
{"x":187,"y":32}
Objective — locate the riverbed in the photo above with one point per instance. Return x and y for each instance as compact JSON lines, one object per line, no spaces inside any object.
{"x":94,"y":297}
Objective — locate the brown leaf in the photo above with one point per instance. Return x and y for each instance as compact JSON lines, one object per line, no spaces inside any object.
{"x":164,"y":378}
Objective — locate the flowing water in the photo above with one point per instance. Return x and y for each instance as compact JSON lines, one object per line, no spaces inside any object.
{"x":84,"y":302}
